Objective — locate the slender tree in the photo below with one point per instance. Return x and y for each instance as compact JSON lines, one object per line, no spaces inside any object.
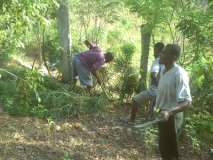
{"x":65,"y":41}
{"x":152,"y":13}
{"x":146,"y":32}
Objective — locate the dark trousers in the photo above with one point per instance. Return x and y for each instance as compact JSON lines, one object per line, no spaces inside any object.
{"x":168,"y":140}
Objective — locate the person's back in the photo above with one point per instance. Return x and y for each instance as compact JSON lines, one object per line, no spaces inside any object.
{"x":93,"y":59}
{"x":88,"y":62}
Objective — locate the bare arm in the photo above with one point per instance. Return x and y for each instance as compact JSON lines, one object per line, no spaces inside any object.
{"x":180,"y":107}
{"x":88,"y":44}
{"x":96,"y":76}
{"x":154,"y":79}
{"x":183,"y":95}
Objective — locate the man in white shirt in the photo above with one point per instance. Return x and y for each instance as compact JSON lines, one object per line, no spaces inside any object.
{"x":173,"y":97}
{"x":150,"y":94}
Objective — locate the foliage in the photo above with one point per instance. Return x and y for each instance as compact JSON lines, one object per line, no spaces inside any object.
{"x":115,"y":26}
{"x":27,"y":92}
{"x":203,"y":83}
{"x":153,"y":12}
{"x":128,"y":50}
{"x":67,"y":156}
{"x":18,"y":17}
{"x":129,"y":78}
{"x":93,"y":17}
{"x":30,"y":95}
{"x":150,"y":137}
{"x":51,"y":49}
{"x":194,"y":23}
{"x":199,"y":120}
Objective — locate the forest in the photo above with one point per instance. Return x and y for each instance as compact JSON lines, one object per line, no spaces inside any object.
{"x":60,"y":101}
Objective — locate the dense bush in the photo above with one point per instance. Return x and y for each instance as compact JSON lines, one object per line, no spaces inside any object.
{"x":199,"y":120}
{"x":128,"y":80}
{"x":29,"y":94}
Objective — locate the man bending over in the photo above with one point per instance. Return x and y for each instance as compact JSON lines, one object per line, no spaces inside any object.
{"x":89,"y":62}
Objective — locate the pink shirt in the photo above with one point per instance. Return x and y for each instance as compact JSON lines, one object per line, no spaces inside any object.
{"x":93,"y":59}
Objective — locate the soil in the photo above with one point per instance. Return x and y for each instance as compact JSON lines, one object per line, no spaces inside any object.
{"x":91,"y":137}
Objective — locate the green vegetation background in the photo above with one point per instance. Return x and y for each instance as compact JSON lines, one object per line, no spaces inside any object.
{"x":27,"y":27}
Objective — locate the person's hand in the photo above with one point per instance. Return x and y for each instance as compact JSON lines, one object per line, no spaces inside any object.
{"x":87,"y":43}
{"x":166,"y":115}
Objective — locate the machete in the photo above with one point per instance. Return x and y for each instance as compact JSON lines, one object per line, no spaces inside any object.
{"x":148,"y":123}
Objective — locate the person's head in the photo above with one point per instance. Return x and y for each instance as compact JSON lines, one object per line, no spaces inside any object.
{"x":170,"y":54}
{"x":108,"y":57}
{"x":158,"y":48}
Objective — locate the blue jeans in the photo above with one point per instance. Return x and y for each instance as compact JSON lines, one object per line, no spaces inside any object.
{"x":80,"y":71}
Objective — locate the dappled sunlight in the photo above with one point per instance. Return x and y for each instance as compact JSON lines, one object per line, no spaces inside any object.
{"x":29,"y":150}
{"x":90,"y":139}
{"x":106,"y":79}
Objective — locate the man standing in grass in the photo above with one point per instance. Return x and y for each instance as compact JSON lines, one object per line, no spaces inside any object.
{"x":89,"y":62}
{"x":173,"y":98}
{"x":150,"y":94}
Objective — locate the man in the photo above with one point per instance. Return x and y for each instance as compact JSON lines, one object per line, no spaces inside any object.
{"x":89,"y":62}
{"x":150,"y":94}
{"x":173,"y":98}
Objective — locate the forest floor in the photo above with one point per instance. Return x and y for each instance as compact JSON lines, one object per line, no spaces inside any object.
{"x":87,"y":137}
{"x":91,"y":137}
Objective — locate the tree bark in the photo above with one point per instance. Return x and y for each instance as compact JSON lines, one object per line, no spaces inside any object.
{"x":146,"y":32}
{"x":65,"y":42}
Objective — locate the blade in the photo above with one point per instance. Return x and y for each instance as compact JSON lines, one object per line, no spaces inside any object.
{"x":147,"y":124}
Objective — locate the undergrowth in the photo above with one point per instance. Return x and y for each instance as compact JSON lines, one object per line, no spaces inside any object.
{"x":29,"y":93}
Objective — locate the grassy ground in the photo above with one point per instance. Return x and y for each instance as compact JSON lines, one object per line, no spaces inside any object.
{"x":89,"y":137}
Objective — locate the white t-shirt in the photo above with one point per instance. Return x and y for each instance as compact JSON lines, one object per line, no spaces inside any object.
{"x":173,"y":88}
{"x":155,"y":65}
{"x":155,"y":68}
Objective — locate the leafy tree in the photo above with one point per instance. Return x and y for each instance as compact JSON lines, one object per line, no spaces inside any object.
{"x":152,"y":13}
{"x":19,"y":17}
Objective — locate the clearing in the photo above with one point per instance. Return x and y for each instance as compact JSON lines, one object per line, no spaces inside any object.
{"x":89,"y":137}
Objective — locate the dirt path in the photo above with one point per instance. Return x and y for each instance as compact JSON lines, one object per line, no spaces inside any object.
{"x":89,"y":138}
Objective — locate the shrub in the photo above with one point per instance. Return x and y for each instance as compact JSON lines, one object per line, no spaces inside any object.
{"x":31,"y":95}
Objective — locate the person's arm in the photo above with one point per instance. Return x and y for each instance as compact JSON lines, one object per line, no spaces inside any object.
{"x":180,"y":107}
{"x":96,"y":66}
{"x":154,"y":78}
{"x":96,"y":76}
{"x":155,"y":70}
{"x":89,"y":44}
{"x":183,"y":95}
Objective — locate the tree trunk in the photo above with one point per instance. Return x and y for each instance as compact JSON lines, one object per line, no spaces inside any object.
{"x":65,"y":44}
{"x":145,"y":43}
